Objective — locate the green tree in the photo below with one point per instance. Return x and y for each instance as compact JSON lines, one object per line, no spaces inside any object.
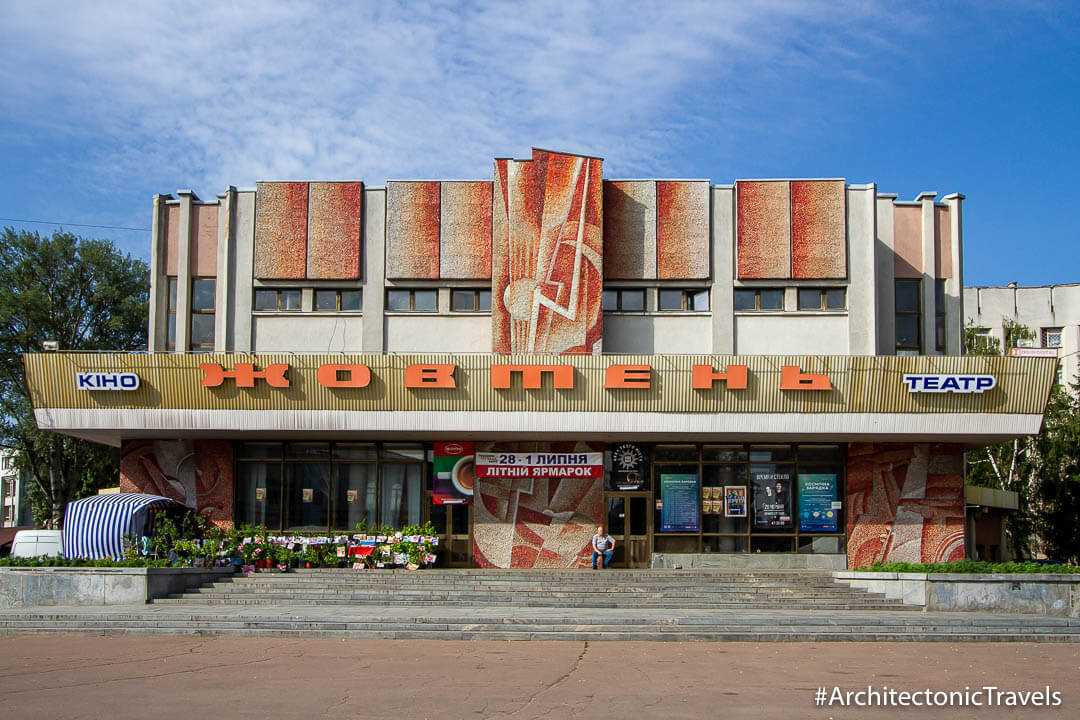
{"x":1041,"y":469}
{"x":85,"y":295}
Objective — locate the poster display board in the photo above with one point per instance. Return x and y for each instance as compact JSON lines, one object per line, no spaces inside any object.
{"x":681,"y":497}
{"x":772,"y":497}
{"x":454,"y":473}
{"x":819,"y":504}
{"x":735,"y":501}
{"x":540,"y":465}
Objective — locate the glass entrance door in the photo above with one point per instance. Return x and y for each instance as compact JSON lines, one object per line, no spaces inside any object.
{"x":630,"y":523}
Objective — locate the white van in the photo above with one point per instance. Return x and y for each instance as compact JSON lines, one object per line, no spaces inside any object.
{"x":35,"y":543}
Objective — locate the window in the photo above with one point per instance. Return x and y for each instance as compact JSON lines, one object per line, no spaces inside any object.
{"x":319,"y":486}
{"x":277,"y":300}
{"x":339,"y":300}
{"x":982,"y":339}
{"x":1051,"y":337}
{"x":170,"y":322}
{"x":623,"y":301}
{"x":939,"y":315}
{"x":822,"y":299}
{"x":412,"y":300}
{"x":761,"y":299}
{"x":202,"y":314}
{"x":684,"y":300}
{"x":908,"y":317}
{"x":470,"y":301}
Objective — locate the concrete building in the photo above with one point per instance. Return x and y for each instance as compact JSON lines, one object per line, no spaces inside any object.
{"x":15,"y":510}
{"x":714,"y":371}
{"x":1051,"y":311}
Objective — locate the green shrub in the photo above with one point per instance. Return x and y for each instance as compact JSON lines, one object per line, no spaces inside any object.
{"x":970,"y":566}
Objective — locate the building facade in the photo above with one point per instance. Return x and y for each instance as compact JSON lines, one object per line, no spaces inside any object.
{"x":769,"y":367}
{"x":15,"y":510}
{"x":1052,"y":312}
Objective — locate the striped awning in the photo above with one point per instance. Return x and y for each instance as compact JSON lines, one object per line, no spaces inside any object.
{"x":95,"y":527}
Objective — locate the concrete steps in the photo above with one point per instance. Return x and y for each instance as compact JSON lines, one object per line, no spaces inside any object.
{"x":530,"y":624}
{"x":659,"y":589}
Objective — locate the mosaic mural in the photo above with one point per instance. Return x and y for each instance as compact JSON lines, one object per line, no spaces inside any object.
{"x":536,"y":523}
{"x":465,"y":234}
{"x":905,"y":503}
{"x":547,"y":254}
{"x":656,"y":229}
{"x":198,"y":473}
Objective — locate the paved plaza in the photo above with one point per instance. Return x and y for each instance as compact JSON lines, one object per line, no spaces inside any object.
{"x":173,"y":677}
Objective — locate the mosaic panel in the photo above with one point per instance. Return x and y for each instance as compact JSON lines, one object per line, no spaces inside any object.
{"x":281,"y":215}
{"x":630,"y":229}
{"x":412,"y":230}
{"x":536,"y":523}
{"x":905,"y":503}
{"x":682,"y":230}
{"x":333,"y":251}
{"x":197,"y":473}
{"x":465,"y":247}
{"x":764,"y":229}
{"x":547,"y":254}
{"x":818,"y":230}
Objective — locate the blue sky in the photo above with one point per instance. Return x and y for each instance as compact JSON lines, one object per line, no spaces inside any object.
{"x":104,"y":104}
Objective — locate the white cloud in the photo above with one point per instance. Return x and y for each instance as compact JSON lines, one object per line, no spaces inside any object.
{"x":205,"y":95}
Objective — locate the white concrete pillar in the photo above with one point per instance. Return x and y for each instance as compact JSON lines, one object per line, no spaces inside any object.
{"x":862,"y":269}
{"x":159,"y":286}
{"x":929,"y":273}
{"x":954,"y":286}
{"x":244,"y":259}
{"x":885,"y":274}
{"x":224,"y":302}
{"x":373,"y":247}
{"x":183,"y":272}
{"x":722,"y":245}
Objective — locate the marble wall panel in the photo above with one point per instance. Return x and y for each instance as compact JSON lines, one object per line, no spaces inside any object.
{"x":764,"y":229}
{"x":281,"y":216}
{"x":818,"y":230}
{"x":465,"y":237}
{"x":412,"y":230}
{"x":334,"y":210}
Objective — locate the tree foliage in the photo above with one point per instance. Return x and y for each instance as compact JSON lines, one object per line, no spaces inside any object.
{"x":1043,"y":469}
{"x":86,"y":295}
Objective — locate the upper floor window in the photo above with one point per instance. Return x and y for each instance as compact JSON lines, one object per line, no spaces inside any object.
{"x":908,"y":305}
{"x":939,"y":315}
{"x":759,"y":299}
{"x":412,"y":300}
{"x":470,"y":300}
{"x":339,"y":300}
{"x":202,"y":314}
{"x":684,"y":300}
{"x":1051,"y":337}
{"x":629,"y":300}
{"x":170,"y":323}
{"x":822,"y":299}
{"x":285,"y":300}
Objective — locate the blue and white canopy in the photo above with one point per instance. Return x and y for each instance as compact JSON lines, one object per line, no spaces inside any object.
{"x":95,"y":527}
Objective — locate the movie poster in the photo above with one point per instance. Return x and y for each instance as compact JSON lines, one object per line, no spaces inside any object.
{"x":772,"y":497}
{"x":454,"y":473}
{"x":819,"y":505}
{"x":628,"y":471}
{"x":681,"y":497}
{"x":735,"y":501}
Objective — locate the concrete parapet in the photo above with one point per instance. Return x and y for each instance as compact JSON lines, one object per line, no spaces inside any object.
{"x":781,"y":561}
{"x":31,"y":587}
{"x":1037,"y":594}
